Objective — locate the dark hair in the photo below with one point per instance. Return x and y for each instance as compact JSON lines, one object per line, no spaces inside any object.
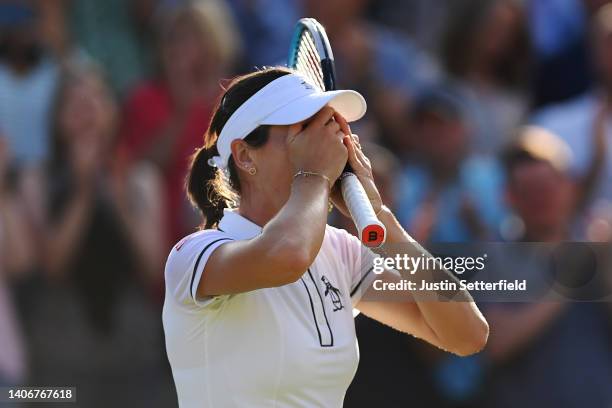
{"x":515,"y":156}
{"x":75,"y":73}
{"x":207,"y":187}
{"x":443,"y":99}
{"x":457,"y":43}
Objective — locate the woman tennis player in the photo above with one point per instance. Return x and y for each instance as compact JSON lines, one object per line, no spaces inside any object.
{"x":259,"y":305}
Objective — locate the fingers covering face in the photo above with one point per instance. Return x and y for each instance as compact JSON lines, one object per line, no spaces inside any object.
{"x":344,"y":126}
{"x":323,"y":116}
{"x":333,"y":126}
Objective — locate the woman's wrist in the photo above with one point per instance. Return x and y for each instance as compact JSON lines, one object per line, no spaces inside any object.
{"x":311,"y":174}
{"x":311,"y":188}
{"x":395,"y":232}
{"x":311,"y":182}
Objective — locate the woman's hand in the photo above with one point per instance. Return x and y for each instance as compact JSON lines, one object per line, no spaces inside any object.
{"x":319,"y":147}
{"x":361,"y":167}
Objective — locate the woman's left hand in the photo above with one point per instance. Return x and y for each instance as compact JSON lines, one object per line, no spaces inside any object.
{"x":361,"y":167}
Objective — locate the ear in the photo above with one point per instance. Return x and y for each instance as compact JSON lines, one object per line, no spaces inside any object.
{"x":241,"y":152}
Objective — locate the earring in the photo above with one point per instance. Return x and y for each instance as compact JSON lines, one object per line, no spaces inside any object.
{"x":252,"y":171}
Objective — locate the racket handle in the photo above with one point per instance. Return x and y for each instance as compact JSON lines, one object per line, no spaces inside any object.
{"x":371,"y":231}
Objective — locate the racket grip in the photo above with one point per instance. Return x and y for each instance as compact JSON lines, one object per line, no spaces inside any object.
{"x":371,"y":231}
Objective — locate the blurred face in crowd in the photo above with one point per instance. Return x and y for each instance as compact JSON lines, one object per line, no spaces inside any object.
{"x":188,"y":54}
{"x":499,"y":29}
{"x":541,"y":196}
{"x":20,"y":46}
{"x":441,"y":138}
{"x":87,"y":113}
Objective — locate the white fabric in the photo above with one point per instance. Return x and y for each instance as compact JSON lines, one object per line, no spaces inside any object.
{"x":289,"y":346}
{"x":287,"y":100}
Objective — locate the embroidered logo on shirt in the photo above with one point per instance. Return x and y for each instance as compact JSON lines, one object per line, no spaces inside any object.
{"x":307,"y":85}
{"x":334,"y":294}
{"x":180,"y":244}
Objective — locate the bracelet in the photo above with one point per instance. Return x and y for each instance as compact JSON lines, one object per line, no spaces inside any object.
{"x":312,"y":173}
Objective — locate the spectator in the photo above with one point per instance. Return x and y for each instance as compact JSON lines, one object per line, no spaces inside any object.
{"x":266,"y":27}
{"x":546,"y":208}
{"x":546,"y":354}
{"x":382,"y":64}
{"x":562,"y":68}
{"x":486,"y":48}
{"x":28,"y":79}
{"x":413,"y":360}
{"x":422,"y":20}
{"x":92,"y":322}
{"x":584,"y":123}
{"x":116,"y":34}
{"x":17,"y":256}
{"x":365,"y":51}
{"x":165,"y":118}
{"x":448,"y":194}
{"x":92,"y":195}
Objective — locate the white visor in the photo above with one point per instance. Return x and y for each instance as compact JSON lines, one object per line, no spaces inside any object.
{"x":287,"y":100}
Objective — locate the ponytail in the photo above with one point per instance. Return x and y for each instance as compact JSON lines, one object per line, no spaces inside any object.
{"x":208,"y":188}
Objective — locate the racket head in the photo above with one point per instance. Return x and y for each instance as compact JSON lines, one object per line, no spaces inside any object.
{"x":310,"y":54}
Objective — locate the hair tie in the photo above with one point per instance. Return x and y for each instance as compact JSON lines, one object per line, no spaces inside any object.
{"x":216,"y":161}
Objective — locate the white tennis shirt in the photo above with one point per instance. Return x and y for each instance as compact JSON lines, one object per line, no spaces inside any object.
{"x":289,"y":346}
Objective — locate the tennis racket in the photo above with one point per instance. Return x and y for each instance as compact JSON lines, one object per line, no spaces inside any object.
{"x":311,"y":55}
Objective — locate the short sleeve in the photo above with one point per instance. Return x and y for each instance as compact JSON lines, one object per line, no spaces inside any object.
{"x":186,"y":264}
{"x":358,"y":260}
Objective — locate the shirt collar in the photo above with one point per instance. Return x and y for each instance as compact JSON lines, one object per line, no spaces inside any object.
{"x":237,"y":226}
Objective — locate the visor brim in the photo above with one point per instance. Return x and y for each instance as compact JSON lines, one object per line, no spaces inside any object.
{"x":350,"y":104}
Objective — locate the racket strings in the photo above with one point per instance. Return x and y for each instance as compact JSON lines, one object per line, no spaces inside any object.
{"x":308,"y":60}
{"x":307,"y":64}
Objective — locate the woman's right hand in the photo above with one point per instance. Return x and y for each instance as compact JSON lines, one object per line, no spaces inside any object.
{"x":319,"y":146}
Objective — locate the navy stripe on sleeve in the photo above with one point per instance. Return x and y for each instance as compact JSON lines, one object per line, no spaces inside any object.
{"x":361,"y":281}
{"x":195,"y":268}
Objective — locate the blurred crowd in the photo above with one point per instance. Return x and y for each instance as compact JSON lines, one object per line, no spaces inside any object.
{"x":489,"y":120}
